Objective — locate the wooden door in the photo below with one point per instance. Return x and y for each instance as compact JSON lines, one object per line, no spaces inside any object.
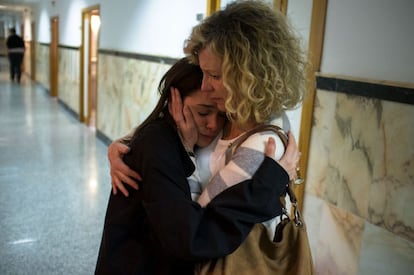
{"x":54,"y":57}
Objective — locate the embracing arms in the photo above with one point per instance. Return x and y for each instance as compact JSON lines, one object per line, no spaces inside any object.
{"x":185,"y":230}
{"x":122,"y":174}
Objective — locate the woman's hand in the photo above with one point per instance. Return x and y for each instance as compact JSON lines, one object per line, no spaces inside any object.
{"x":290,"y":158}
{"x":120,"y":172}
{"x":184,"y":120}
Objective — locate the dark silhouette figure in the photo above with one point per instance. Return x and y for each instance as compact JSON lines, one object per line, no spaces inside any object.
{"x":15,"y":47}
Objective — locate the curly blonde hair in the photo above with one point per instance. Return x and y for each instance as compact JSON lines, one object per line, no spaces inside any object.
{"x":263,"y":64}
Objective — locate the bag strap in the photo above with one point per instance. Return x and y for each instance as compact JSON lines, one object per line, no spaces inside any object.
{"x":289,"y":188}
{"x":261,"y":128}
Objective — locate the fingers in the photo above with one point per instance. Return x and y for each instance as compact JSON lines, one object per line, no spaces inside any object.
{"x":188,"y":115}
{"x":292,"y":145}
{"x":270,"y":148}
{"x":294,"y":148}
{"x":124,"y":173}
{"x":296,"y":177}
{"x":290,"y":158}
{"x":129,"y":181}
{"x":118,"y":183}
{"x":122,"y":148}
{"x":120,"y":173}
{"x":176,"y":107}
{"x":184,"y":120}
{"x":115,"y":151}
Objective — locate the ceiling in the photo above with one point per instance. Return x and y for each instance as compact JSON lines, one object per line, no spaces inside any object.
{"x":11,"y":10}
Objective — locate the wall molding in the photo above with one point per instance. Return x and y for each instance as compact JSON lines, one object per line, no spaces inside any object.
{"x":69,"y":47}
{"x":102,"y":137}
{"x":390,"y":91}
{"x":144,"y":57}
{"x":65,"y":106}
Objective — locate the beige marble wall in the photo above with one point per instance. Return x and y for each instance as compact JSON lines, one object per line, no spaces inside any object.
{"x":127,"y":93}
{"x":69,"y":66}
{"x":359,"y":197}
{"x":42,"y":65}
{"x":26,"y":58}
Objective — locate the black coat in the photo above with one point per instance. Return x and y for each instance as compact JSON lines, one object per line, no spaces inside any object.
{"x":14,"y":41}
{"x":160,"y":230}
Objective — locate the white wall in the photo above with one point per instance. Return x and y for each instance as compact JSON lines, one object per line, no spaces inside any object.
{"x":155,"y":27}
{"x":42,"y":22}
{"x":371,"y":39}
{"x":70,"y":20}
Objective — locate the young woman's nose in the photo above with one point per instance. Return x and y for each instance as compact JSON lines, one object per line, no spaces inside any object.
{"x":212,"y":124}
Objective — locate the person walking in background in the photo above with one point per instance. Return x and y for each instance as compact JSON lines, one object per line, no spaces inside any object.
{"x":15,"y":50}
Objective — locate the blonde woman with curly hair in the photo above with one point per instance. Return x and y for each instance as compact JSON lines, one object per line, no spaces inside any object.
{"x":253,"y":68}
{"x":250,"y":56}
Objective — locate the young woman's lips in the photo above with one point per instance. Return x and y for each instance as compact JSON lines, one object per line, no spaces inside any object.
{"x":207,"y":136}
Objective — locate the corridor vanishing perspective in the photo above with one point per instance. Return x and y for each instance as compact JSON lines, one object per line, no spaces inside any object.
{"x":55,"y":184}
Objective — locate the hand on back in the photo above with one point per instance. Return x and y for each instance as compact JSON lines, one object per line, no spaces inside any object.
{"x":120,"y":172}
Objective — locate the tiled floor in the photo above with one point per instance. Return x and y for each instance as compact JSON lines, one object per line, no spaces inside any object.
{"x":54,"y":183}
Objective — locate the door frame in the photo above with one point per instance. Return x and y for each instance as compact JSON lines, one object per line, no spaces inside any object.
{"x":91,"y":93}
{"x":315,"y":51}
{"x":280,"y":5}
{"x":212,"y":6}
{"x":33,"y":53}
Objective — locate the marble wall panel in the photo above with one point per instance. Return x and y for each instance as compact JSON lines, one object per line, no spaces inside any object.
{"x":323,"y":117}
{"x":384,"y":253}
{"x":312,"y":209}
{"x":127,"y":93}
{"x":355,"y":145}
{"x":68,"y":87}
{"x":27,"y":58}
{"x":391,"y":200}
{"x":338,"y":242}
{"x":42,"y":65}
{"x":360,"y":185}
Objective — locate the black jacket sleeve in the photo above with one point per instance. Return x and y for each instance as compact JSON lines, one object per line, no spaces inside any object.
{"x":195,"y":233}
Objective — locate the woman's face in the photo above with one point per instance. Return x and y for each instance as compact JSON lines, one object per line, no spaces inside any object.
{"x":208,"y":119}
{"x":210,"y":64}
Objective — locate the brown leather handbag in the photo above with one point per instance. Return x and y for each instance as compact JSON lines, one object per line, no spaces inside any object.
{"x":288,"y":253}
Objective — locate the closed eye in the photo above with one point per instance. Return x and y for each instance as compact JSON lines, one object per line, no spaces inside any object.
{"x":204,"y":113}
